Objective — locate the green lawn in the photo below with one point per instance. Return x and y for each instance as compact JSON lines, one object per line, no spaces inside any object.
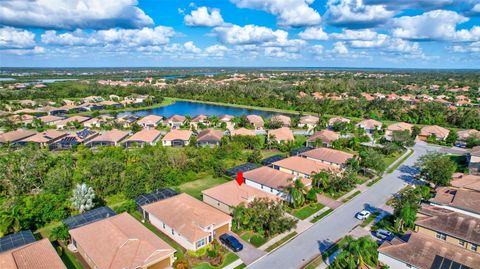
{"x":253,"y":238}
{"x":229,"y":258}
{"x":241,"y":266}
{"x":321,"y":216}
{"x":195,"y":188}
{"x":307,"y":211}
{"x":391,"y":158}
{"x":266,"y":153}
{"x":281,"y":241}
{"x":393,"y":168}
{"x":351,"y":196}
{"x":70,"y":260}
{"x":369,"y":219}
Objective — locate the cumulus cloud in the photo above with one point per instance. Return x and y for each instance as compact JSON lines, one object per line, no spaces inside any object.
{"x":348,"y":34}
{"x":316,"y":50}
{"x":313,"y":33}
{"x":340,"y":48}
{"x":12,"y":38}
{"x":33,"y":51}
{"x":159,"y":35}
{"x":411,"y":4}
{"x":202,"y":17}
{"x":73,"y":14}
{"x":355,"y":14}
{"x":216,"y":50}
{"x":471,"y":48}
{"x":434,"y":25}
{"x":294,"y":13}
{"x":255,"y":35}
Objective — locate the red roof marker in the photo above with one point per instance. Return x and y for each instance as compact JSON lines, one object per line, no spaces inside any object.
{"x":240,"y":178}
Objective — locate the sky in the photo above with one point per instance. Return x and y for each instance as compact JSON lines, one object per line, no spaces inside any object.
{"x":240,"y":33}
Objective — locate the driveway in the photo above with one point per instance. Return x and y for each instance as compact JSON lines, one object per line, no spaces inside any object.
{"x":249,"y":253}
{"x":306,"y":246}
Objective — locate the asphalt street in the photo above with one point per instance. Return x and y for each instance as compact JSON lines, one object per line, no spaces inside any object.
{"x":324,"y":233}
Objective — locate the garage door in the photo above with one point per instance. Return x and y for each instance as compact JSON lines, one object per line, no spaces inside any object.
{"x":221,"y":230}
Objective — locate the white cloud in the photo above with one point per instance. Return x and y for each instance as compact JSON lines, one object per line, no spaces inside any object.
{"x":340,"y":48}
{"x":386,"y":43}
{"x":71,"y":14}
{"x":471,"y":48}
{"x":12,"y":38}
{"x":191,"y":48}
{"x":159,"y":35}
{"x":32,"y":51}
{"x":216,"y":51}
{"x":355,"y":14}
{"x":255,"y":35}
{"x":411,"y":4}
{"x":278,"y":52}
{"x":316,"y":49}
{"x":313,"y":33}
{"x":434,"y":25}
{"x":202,"y":17}
{"x":347,"y":34}
{"x":294,"y":13}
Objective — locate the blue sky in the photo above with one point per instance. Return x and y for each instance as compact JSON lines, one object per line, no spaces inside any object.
{"x":321,"y":33}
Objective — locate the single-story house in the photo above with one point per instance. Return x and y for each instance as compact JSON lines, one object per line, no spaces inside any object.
{"x":73,"y":139}
{"x":335,"y":120}
{"x":150,"y":121}
{"x":271,"y":181}
{"x":121,"y":241}
{"x":175,"y":121}
{"x":460,"y":200}
{"x":203,"y":119}
{"x":226,"y":118}
{"x":302,"y":167}
{"x":466,"y":181}
{"x":399,"y":126}
{"x":63,"y":123}
{"x":440,"y":133}
{"x":227,"y":196}
{"x":256,"y":121}
{"x":473,"y":158}
{"x":97,"y":121}
{"x":369,"y":125}
{"x":326,"y":137}
{"x":190,"y":222}
{"x":284,"y":120}
{"x":242,"y":132}
{"x":143,"y":137}
{"x":464,"y":135}
{"x":21,"y":118}
{"x":15,"y":136}
{"x":44,"y":138}
{"x":126,"y":121}
{"x":209,"y":137}
{"x":177,"y":138}
{"x":109,"y":138}
{"x":329,"y":156}
{"x":281,"y":135}
{"x":309,"y":121}
{"x":51,"y":120}
{"x":21,"y":251}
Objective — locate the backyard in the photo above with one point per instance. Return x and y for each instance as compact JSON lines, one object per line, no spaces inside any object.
{"x":195,"y":188}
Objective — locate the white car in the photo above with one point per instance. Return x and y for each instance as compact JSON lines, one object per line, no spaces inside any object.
{"x":362,"y":214}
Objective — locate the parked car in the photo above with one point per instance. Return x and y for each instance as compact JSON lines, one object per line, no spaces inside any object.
{"x":384,"y":234}
{"x":231,"y":242}
{"x":363,"y":214}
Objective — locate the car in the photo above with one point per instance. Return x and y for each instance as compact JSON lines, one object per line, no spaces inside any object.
{"x":384,"y":234}
{"x":231,"y":242}
{"x":363,"y":214}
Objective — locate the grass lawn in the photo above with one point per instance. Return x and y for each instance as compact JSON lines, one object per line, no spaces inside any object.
{"x":391,"y":158}
{"x":253,"y":238}
{"x":321,"y":216}
{"x":241,"y":266}
{"x":167,"y":101}
{"x":307,"y":211}
{"x":70,"y":260}
{"x":281,"y":241}
{"x":369,"y":219}
{"x":195,"y":188}
{"x":266,"y":153}
{"x":229,"y":258}
{"x":351,"y":196}
{"x":393,"y":168}
{"x":46,"y":230}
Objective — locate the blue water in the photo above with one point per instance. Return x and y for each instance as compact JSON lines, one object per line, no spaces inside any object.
{"x":194,"y":109}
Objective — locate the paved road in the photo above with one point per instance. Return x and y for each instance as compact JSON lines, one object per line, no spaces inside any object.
{"x":319,"y":237}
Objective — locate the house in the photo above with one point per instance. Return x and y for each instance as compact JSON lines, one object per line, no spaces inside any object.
{"x":63,"y":123}
{"x":438,"y":132}
{"x":302,"y":167}
{"x":328,"y":156}
{"x":242,"y":132}
{"x":271,"y":181}
{"x":190,"y":222}
{"x":464,"y":135}
{"x":369,"y":125}
{"x":256,"y":121}
{"x":227,"y":196}
{"x":209,"y":137}
{"x":15,"y":136}
{"x":336,"y":120}
{"x":325,"y":137}
{"x":73,"y":139}
{"x":51,"y":120}
{"x":126,"y":121}
{"x":109,"y":138}
{"x":21,"y":118}
{"x":97,"y":122}
{"x":423,"y":252}
{"x":281,"y":135}
{"x":143,"y":137}
{"x":466,"y":181}
{"x":150,"y":121}
{"x":203,"y":119}
{"x":175,"y":121}
{"x":177,"y":138}
{"x":121,"y":241}
{"x":309,"y":121}
{"x":459,"y":200}
{"x":21,"y":251}
{"x":225,"y":118}
{"x":44,"y":138}
{"x":400,"y":127}
{"x":284,"y":120}
{"x":473,"y":158}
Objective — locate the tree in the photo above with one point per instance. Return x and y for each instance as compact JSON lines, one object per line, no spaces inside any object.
{"x":297,"y":193}
{"x":436,"y":168}
{"x":255,"y":156}
{"x":60,"y":233}
{"x":452,"y":137}
{"x":356,"y":253}
{"x":403,"y":138}
{"x":10,"y":220}
{"x":83,"y":197}
{"x":406,"y":205}
{"x":372,"y":159}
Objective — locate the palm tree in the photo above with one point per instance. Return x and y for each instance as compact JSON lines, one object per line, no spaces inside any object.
{"x":357,"y":253}
{"x":297,"y":193}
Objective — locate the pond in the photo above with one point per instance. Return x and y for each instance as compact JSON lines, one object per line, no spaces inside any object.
{"x":193,"y":109}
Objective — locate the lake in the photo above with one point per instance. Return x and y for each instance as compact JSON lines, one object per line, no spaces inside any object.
{"x":194,"y":109}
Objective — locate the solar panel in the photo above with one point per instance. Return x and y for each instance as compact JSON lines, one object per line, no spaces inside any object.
{"x":155,"y":196}
{"x":444,"y":263}
{"x":270,"y":160}
{"x":89,"y":217}
{"x":295,"y":152}
{"x":84,"y":133}
{"x":16,"y":240}
{"x":241,"y":168}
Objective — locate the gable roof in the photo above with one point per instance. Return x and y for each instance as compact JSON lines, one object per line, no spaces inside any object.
{"x":304,"y":165}
{"x":113,"y":135}
{"x":187,"y":215}
{"x":45,"y":136}
{"x":38,"y":255}
{"x":458,"y":198}
{"x":16,"y":135}
{"x":178,"y":135}
{"x":328,"y":155}
{"x":232,"y":194}
{"x":269,"y":177}
{"x":466,"y":181}
{"x":120,"y":242}
{"x":210,"y":135}
{"x":50,"y":118}
{"x":145,"y":135}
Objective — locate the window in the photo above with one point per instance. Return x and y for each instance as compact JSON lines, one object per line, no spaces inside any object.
{"x":164,"y":226}
{"x":173,"y":232}
{"x":441,"y":236}
{"x":201,"y":243}
{"x":473,"y":247}
{"x":461,"y":243}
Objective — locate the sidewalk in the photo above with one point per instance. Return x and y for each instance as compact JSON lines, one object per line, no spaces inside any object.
{"x":302,"y":225}
{"x":233,"y":264}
